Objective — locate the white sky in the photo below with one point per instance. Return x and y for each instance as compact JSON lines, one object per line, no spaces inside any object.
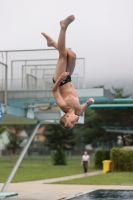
{"x":102,"y":32}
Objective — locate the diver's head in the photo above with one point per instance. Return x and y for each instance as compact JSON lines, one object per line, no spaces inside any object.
{"x":68,"y":120}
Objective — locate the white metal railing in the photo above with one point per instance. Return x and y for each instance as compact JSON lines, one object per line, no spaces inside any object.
{"x":34,"y":68}
{"x":5,"y":83}
{"x":39,"y":67}
{"x":33,"y":83}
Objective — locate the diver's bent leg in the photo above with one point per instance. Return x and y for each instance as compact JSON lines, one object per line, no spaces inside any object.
{"x":71,"y":61}
{"x":65,"y":61}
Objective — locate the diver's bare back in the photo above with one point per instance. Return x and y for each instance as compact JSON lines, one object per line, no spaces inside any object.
{"x":70,"y":96}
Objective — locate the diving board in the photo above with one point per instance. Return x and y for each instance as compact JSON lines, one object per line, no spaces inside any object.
{"x":118,"y":129}
{"x":4,"y":195}
{"x":21,"y":97}
{"x":23,"y":103}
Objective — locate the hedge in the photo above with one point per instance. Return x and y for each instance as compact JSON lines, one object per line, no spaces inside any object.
{"x":99,"y":156}
{"x":122,"y":159}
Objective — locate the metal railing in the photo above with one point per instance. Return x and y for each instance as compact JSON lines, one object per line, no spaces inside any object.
{"x":5,"y":83}
{"x":31,"y":66}
{"x":38,"y":69}
{"x":35,"y":83}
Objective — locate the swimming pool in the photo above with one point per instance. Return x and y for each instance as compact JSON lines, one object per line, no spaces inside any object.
{"x":104,"y":195}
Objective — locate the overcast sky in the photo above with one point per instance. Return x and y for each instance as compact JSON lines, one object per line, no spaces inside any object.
{"x":102,"y":32}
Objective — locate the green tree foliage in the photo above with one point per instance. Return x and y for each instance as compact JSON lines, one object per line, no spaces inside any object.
{"x":59,"y":140}
{"x":117,"y":116}
{"x":119,"y":93}
{"x":91,"y":131}
{"x":59,"y":158}
{"x":2,"y":129}
{"x":15,"y":140}
{"x":17,"y":128}
{"x":95,"y":118}
{"x":15,"y":144}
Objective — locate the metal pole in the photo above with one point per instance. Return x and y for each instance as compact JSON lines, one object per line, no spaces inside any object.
{"x":6,"y":85}
{"x":11,"y":75}
{"x":9,"y":179}
{"x":6,"y":71}
{"x":84,"y":75}
{"x":5,"y":100}
{"x":25,"y":75}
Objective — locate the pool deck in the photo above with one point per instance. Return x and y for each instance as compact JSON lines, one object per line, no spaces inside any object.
{"x":42,"y":190}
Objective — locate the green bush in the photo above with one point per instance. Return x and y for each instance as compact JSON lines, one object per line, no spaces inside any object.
{"x":115,"y":152}
{"x":99,"y":156}
{"x":122,"y":159}
{"x":59,"y":158}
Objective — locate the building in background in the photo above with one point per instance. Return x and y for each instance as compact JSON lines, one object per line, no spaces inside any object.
{"x":39,"y":137}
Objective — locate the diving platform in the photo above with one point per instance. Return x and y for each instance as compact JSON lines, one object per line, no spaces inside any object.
{"x":118,"y":129}
{"x":26,"y":84}
{"x":30,"y":106}
{"x":5,"y":195}
{"x":21,"y":97}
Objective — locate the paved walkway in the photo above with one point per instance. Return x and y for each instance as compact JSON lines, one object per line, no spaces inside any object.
{"x":41,"y":190}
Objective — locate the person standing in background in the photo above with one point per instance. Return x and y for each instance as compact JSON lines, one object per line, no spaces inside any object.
{"x":85,"y":162}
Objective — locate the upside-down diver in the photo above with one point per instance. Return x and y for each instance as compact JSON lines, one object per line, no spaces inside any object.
{"x":63,"y":89}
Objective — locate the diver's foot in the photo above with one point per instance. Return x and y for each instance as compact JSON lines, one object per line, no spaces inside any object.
{"x":90,"y":101}
{"x":50,"y":41}
{"x":64,"y":23}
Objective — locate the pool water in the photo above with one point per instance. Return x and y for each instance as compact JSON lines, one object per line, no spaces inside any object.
{"x":106,"y":195}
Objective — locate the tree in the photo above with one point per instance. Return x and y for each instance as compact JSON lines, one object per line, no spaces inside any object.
{"x":59,"y":140}
{"x":16,"y":141}
{"x":15,"y":144}
{"x":118,"y":116}
{"x":95,"y":118}
{"x":90,"y":130}
{"x":2,"y":129}
{"x":16,"y":129}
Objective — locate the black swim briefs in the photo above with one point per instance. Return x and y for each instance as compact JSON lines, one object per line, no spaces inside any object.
{"x":68,"y":79}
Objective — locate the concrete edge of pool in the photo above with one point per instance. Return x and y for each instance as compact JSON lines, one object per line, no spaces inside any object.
{"x":78,"y":194}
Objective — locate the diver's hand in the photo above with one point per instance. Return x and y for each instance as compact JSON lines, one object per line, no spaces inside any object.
{"x":63,"y":76}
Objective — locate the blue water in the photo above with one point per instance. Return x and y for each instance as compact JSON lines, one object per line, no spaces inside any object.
{"x":106,"y":195}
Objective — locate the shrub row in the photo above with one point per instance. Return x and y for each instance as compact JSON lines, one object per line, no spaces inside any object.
{"x":122,"y":159}
{"x":99,"y":156}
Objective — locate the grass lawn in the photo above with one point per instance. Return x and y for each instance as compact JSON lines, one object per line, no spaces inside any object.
{"x":40,"y":167}
{"x":112,"y":178}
